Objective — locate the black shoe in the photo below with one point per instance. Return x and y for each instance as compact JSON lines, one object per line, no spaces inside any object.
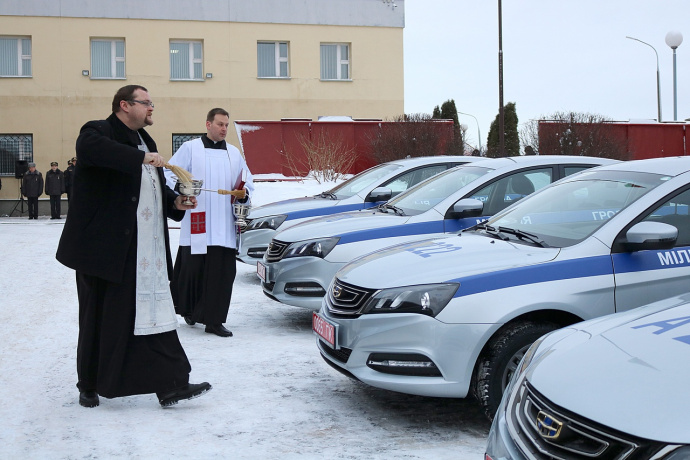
{"x":88,"y":399}
{"x":189,"y":320}
{"x":189,"y":391}
{"x":219,"y":330}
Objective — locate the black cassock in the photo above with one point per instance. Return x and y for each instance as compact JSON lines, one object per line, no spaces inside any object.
{"x":116,"y":363}
{"x":201,"y":286}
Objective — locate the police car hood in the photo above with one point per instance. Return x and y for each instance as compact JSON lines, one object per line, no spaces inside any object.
{"x":340,"y":224}
{"x":440,"y":260}
{"x":628,"y":371}
{"x":292,"y":205}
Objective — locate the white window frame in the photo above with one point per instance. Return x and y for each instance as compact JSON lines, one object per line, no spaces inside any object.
{"x":21,"y":57}
{"x":278,"y":59}
{"x":340,"y":62}
{"x":192,"y":60}
{"x":114,"y":59}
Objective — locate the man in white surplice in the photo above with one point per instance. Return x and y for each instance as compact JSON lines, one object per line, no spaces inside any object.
{"x":205,"y":266}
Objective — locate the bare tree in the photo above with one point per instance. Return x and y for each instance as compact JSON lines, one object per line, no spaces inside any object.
{"x":413,"y":135}
{"x":529,"y":136}
{"x":575,"y":133}
{"x":325,"y":155}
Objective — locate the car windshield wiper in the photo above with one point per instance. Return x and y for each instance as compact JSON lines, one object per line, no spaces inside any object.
{"x":330,"y":195}
{"x":522,"y":235}
{"x":395,"y":209}
{"x":493,"y":231}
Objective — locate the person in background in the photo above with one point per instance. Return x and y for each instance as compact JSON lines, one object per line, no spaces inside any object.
{"x":69,"y":174}
{"x":116,"y":239}
{"x":55,"y":187}
{"x":205,"y":266}
{"x":32,"y":188}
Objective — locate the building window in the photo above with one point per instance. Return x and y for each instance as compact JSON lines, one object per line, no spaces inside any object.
{"x":272,"y":59}
{"x":15,"y":56}
{"x":335,"y":61}
{"x":179,"y":139}
{"x":15,"y":147}
{"x":108,"y":58}
{"x":186,"y":60}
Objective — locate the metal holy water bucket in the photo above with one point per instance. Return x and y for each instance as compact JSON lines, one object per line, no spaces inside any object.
{"x":241,"y":211}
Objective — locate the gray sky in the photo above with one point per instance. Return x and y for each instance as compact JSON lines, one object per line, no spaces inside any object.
{"x":557,"y":56}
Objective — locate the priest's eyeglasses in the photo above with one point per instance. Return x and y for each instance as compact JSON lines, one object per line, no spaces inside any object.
{"x":147,"y":103}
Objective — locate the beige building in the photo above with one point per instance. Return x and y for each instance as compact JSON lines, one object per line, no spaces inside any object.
{"x":61,"y":62}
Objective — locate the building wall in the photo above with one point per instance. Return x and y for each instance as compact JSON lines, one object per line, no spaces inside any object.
{"x":57,"y":100}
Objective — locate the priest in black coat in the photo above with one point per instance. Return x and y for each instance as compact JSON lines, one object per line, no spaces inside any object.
{"x":127,"y":342}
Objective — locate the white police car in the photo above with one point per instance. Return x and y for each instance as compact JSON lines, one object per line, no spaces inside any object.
{"x":301,"y":260}
{"x":451,"y":316}
{"x":368,"y":188}
{"x":610,"y":388}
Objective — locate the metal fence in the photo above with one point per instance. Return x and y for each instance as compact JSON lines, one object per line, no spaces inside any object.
{"x":15,"y":147}
{"x":179,"y":139}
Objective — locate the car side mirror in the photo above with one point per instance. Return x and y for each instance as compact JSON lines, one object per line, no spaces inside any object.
{"x":379,"y":194}
{"x":650,"y":236}
{"x":467,"y":207}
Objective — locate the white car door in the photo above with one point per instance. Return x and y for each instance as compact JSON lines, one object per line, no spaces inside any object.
{"x":647,"y":276}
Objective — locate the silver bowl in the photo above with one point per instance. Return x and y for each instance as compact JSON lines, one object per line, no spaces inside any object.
{"x":188,"y":189}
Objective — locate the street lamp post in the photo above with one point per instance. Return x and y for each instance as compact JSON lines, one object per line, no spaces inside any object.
{"x":658,"y":80}
{"x":674,"y":39}
{"x":479,"y":136}
{"x":501,"y":113}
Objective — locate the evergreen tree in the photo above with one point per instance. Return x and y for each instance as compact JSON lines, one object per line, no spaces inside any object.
{"x":511,"y":138}
{"x":449,"y":112}
{"x":437,"y":113}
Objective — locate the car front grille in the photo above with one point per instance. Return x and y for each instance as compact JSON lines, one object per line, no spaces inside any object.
{"x":344,"y":299}
{"x":276,"y":250}
{"x":543,"y":430}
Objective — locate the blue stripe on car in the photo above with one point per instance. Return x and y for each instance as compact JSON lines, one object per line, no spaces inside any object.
{"x":651,"y":260}
{"x":421,"y":228}
{"x":541,"y":273}
{"x":328,"y":210}
{"x":573,"y":269}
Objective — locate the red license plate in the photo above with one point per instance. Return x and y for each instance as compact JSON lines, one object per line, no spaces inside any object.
{"x":261,"y":271}
{"x":323,"y":329}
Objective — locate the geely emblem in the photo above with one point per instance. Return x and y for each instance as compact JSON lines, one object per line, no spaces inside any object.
{"x":547,"y":426}
{"x":337,"y":291}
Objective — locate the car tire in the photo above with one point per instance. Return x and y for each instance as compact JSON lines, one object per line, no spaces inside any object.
{"x":500,"y":358}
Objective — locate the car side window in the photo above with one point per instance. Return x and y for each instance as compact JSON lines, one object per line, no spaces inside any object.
{"x":568,"y":170}
{"x":674,"y":212}
{"x":403,"y":182}
{"x":505,"y":191}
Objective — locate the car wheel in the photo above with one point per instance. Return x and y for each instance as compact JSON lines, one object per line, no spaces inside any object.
{"x":501,"y":357}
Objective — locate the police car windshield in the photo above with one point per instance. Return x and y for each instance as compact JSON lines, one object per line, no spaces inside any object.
{"x":569,"y":211}
{"x":356,"y":184}
{"x":431,"y":192}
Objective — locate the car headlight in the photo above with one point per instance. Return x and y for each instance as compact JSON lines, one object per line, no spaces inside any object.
{"x":427,"y":299}
{"x":268,"y":222}
{"x":314,"y":248}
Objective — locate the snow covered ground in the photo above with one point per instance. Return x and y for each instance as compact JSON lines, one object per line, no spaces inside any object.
{"x":273,"y":395}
